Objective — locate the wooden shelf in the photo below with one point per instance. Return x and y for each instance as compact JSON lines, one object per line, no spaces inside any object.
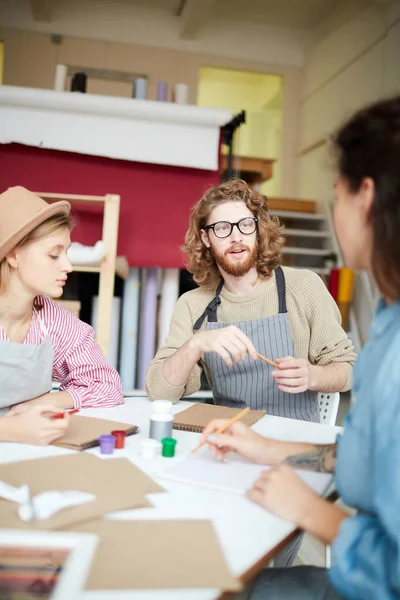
{"x":72,"y":197}
{"x":307,"y":235}
{"x":306,"y":251}
{"x":318,"y":270}
{"x":289,"y":232}
{"x":252,"y":170}
{"x":107,"y":268}
{"x":121,"y":267}
{"x":86,"y":269}
{"x":292,"y":204}
{"x":286,"y":214}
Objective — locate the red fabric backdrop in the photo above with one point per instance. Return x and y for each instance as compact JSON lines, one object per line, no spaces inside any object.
{"x":155,"y":199}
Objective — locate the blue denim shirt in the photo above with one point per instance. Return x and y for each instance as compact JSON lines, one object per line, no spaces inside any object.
{"x":366,"y":553}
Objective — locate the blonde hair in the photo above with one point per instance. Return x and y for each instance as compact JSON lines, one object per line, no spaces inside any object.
{"x":200,"y":261}
{"x":48,"y":227}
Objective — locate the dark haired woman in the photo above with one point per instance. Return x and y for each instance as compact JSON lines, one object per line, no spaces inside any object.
{"x":366,"y":546}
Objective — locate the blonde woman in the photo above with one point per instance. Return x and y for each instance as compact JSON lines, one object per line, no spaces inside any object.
{"x":39,"y":340}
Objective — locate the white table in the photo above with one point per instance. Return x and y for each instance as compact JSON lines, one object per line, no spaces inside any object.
{"x":246,"y":532}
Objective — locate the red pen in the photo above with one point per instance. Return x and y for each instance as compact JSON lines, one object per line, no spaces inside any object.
{"x":68,"y":412}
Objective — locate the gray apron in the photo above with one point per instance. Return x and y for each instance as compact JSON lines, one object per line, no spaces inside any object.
{"x":25,"y":370}
{"x":249,"y":382}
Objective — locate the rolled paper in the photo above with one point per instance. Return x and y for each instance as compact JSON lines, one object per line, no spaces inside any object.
{"x":334,"y":283}
{"x":181,"y":93}
{"x":114,"y":332}
{"x":78,"y":254}
{"x":162,"y":91}
{"x":60,"y":78}
{"x":147,"y":325}
{"x":346,"y":282}
{"x":344,"y":308}
{"x":129,"y":330}
{"x":140,"y":88}
{"x":169,"y":296}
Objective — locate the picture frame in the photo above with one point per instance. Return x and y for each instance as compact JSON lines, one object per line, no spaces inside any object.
{"x":44,"y":565}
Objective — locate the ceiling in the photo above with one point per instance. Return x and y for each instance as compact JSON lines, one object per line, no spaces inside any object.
{"x":293,"y":14}
{"x":185,"y":19}
{"x":171,"y":6}
{"x":296,"y":14}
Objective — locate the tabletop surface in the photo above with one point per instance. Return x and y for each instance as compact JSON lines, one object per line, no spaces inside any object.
{"x":246,"y":531}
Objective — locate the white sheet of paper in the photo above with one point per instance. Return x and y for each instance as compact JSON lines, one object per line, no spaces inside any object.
{"x":235,"y":475}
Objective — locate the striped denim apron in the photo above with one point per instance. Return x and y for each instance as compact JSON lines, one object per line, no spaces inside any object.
{"x":249,"y":382}
{"x":26,"y":370}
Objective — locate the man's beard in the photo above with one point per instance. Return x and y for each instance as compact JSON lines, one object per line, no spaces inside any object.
{"x":238,"y":269}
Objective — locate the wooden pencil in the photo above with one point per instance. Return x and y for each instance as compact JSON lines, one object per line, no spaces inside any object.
{"x":223,"y":428}
{"x":270,"y":362}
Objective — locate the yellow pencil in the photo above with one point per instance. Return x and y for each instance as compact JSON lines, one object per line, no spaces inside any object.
{"x":270,"y":362}
{"x":225,"y":427}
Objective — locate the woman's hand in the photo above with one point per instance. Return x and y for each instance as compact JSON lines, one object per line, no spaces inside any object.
{"x":242,"y":440}
{"x":54,"y":399}
{"x":22,"y":407}
{"x":281,"y":491}
{"x":32,"y":426}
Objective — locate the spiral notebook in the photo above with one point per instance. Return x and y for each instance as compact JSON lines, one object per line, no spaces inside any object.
{"x":199,"y":415}
{"x":83,"y":432}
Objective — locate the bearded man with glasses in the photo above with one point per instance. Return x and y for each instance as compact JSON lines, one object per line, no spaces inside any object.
{"x":246,"y":303}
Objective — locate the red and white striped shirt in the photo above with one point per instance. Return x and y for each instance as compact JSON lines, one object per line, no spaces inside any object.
{"x":79,"y":364}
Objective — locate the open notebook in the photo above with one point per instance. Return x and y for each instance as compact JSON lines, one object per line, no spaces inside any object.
{"x":83,"y":432}
{"x":235,"y":476}
{"x":199,"y":415}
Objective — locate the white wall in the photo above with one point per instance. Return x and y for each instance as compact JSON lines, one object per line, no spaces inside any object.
{"x":351,"y":67}
{"x":357,"y":63}
{"x":392,"y":53}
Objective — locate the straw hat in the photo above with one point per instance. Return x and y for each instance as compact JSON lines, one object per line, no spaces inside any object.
{"x":21,"y":212}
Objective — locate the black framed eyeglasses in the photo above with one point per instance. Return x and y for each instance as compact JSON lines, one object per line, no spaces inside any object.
{"x":223,"y":229}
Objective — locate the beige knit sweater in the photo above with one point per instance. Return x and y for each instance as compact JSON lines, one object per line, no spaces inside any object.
{"x":313,"y":315}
